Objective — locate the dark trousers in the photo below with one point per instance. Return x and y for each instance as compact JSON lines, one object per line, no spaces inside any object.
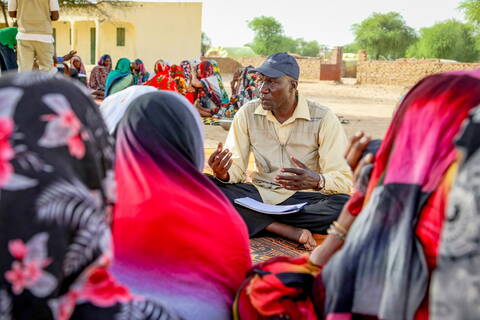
{"x":8,"y":59}
{"x":316,"y":216}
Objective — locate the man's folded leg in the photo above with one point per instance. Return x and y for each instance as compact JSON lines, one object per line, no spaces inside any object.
{"x":320,"y":212}
{"x":317,"y":216}
{"x":256,"y":222}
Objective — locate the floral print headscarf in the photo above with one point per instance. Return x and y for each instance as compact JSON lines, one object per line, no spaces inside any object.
{"x":209,"y":95}
{"x":179,"y":77}
{"x":56,"y":184}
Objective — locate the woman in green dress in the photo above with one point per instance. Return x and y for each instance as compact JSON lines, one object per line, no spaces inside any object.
{"x":120,"y":78}
{"x":8,"y":44}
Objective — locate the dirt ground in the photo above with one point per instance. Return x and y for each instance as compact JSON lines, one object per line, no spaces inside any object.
{"x":366,"y":107}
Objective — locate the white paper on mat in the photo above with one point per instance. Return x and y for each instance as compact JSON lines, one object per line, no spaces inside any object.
{"x":269,"y":208}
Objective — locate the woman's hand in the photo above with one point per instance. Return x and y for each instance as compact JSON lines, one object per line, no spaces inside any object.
{"x":357,"y":145}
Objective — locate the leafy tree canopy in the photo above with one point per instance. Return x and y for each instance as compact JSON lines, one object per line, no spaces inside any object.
{"x":384,"y":35}
{"x":450,"y":39}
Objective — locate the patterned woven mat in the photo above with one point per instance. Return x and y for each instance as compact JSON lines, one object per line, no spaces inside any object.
{"x":264,"y":248}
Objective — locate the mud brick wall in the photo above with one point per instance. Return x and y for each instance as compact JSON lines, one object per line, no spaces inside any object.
{"x":226,"y":65}
{"x":405,"y":72}
{"x":309,"y":67}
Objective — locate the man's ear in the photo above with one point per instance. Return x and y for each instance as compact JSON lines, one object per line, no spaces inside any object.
{"x":294,"y":84}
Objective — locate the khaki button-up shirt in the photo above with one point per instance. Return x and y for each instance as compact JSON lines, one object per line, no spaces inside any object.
{"x":313,"y":135}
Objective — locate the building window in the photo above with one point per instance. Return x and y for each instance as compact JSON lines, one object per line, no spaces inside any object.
{"x":120,"y":37}
{"x":93,"y":45}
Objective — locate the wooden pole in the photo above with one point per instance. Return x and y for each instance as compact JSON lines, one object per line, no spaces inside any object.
{"x":5,"y":14}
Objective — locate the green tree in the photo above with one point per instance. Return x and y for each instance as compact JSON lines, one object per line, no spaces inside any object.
{"x":384,"y":35}
{"x":450,"y":39}
{"x":351,"y":48}
{"x":289,"y":45}
{"x":309,"y":48}
{"x":76,"y":4}
{"x":471,"y":9}
{"x":268,"y":37}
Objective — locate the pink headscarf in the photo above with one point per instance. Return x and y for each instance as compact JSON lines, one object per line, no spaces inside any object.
{"x":82,"y":67}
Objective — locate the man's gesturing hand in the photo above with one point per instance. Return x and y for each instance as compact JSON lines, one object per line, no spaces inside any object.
{"x":300,"y":178}
{"x":220,"y":161}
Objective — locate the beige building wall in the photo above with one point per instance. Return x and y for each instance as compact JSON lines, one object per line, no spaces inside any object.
{"x":62,"y":35}
{"x":153,"y":30}
{"x":108,"y":43}
{"x":82,"y":39}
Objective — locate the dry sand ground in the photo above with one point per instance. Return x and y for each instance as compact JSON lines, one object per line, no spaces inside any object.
{"x":366,"y":107}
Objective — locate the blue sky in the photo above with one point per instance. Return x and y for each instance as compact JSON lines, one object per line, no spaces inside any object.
{"x":328,"y":22}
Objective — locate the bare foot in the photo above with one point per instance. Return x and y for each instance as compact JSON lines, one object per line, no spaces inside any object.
{"x":306,"y":238}
{"x":302,"y":236}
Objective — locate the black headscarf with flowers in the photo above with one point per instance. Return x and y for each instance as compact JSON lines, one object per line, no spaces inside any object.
{"x":56,"y":184}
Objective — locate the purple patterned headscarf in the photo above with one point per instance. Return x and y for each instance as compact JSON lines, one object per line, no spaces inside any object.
{"x":141,"y":66}
{"x":101,"y":61}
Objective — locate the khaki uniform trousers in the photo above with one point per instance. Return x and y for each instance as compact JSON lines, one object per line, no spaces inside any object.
{"x":28,"y":51}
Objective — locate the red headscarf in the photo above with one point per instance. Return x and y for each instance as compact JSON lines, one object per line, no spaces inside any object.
{"x":384,"y":267}
{"x":177,"y":237}
{"x":162,"y":79}
{"x":210,"y":89}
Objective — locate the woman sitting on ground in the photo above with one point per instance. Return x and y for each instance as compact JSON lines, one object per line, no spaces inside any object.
{"x":162,"y":80}
{"x":223,"y":93}
{"x":155,"y":69}
{"x":166,"y":208}
{"x":76,"y":66}
{"x":56,"y":190}
{"x":140,"y":74}
{"x":210,"y":96}
{"x":60,"y":63}
{"x":383,"y":270}
{"x":178,"y":75}
{"x":120,"y":78}
{"x":99,"y":75}
{"x":244,"y":88}
{"x":183,"y":81}
{"x":188,"y":68}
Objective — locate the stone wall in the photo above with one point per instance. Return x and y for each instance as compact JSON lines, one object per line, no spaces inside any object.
{"x":309,"y":67}
{"x":405,"y":72}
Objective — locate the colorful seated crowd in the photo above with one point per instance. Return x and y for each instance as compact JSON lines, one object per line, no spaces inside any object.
{"x":105,"y":212}
{"x":199,"y":81}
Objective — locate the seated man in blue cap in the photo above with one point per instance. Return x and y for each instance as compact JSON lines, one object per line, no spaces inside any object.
{"x":298,"y":146}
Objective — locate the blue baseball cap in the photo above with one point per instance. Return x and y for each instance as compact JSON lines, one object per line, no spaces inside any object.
{"x":278,"y":65}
